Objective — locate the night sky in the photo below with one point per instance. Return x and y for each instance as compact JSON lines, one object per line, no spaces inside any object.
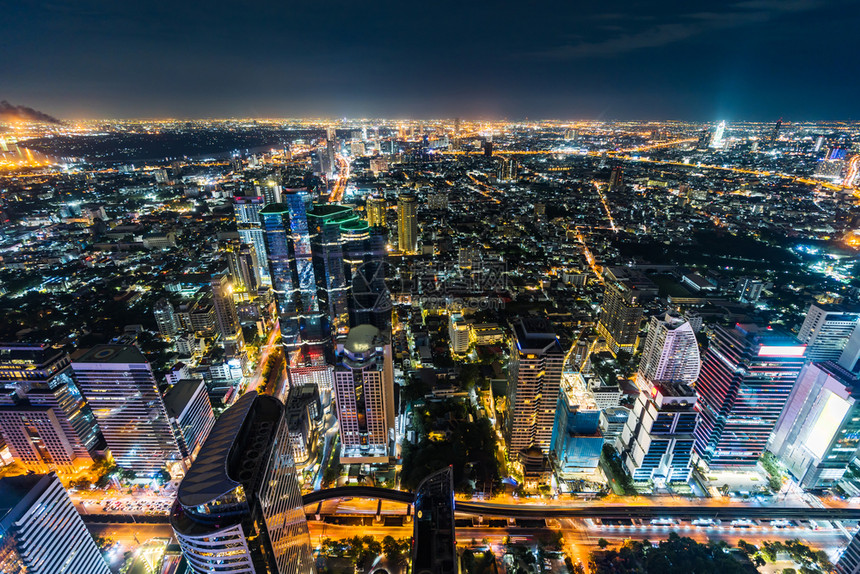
{"x":753,"y":59}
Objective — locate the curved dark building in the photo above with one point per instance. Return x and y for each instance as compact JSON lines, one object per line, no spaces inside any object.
{"x":239,"y":508}
{"x":434,"y":544}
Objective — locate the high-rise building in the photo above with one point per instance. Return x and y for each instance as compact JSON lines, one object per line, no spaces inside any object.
{"x":534,"y":379}
{"x":616,"y":179}
{"x":747,"y":376}
{"x":166,"y":318}
{"x":434,"y":546}
{"x":239,"y":508}
{"x":671,"y":352}
{"x":331,"y":152}
{"x":292,"y":271}
{"x":749,"y":290}
{"x":849,"y":561}
{"x":407,"y":223}
{"x":826,"y":330}
{"x":190,"y":412}
{"x":325,"y":224}
{"x":657,"y":441}
{"x":41,"y":532}
{"x":364,"y":394}
{"x":774,"y":134}
{"x":119,"y":386}
{"x":576,"y":438}
{"x":248,"y":224}
{"x":375,"y":209}
{"x":364,"y":252}
{"x":818,"y":433}
{"x":508,"y":169}
{"x":717,"y":141}
{"x":244,"y":266}
{"x":46,"y":423}
{"x":226,"y":317}
{"x":304,"y":417}
{"x":620,"y":316}
{"x":458,"y":333}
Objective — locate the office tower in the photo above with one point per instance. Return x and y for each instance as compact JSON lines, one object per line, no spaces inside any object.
{"x":165,"y":318}
{"x":829,"y":169}
{"x":507,"y":170}
{"x":40,"y":530}
{"x":375,"y":209}
{"x":407,"y":223}
{"x":248,"y":224}
{"x":819,"y":431}
{"x":747,"y":376}
{"x":324,"y":226}
{"x":488,"y":148}
{"x":244,"y":266}
{"x":533,"y":385}
{"x":774,"y":134}
{"x":458,"y":333}
{"x":239,"y":508}
{"x":671,"y":352}
{"x":364,"y":393}
{"x":46,"y":423}
{"x":304,"y":417}
{"x":226,"y":317}
{"x":434,"y":542}
{"x":330,"y":152}
{"x":849,"y":562}
{"x":292,"y":271}
{"x":616,"y":179}
{"x":657,"y":440}
{"x":121,"y":390}
{"x":717,"y":140}
{"x":190,"y":413}
{"x":818,"y":143}
{"x":576,"y":437}
{"x":365,"y":252}
{"x":620,"y":316}
{"x":826,"y":330}
{"x":749,"y":290}
{"x":850,"y":358}
{"x":704,"y":140}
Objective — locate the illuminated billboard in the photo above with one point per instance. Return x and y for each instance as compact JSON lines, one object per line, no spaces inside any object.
{"x":828,"y":422}
{"x":780,"y":351}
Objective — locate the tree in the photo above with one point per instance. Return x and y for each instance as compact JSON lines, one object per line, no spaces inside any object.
{"x":603,"y":543}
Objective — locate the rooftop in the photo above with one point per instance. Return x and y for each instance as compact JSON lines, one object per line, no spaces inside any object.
{"x":179,"y":394}
{"x":112,"y":354}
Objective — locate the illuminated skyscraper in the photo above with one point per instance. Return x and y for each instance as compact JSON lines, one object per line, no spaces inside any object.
{"x":717,"y":140}
{"x":248,"y":224}
{"x":620,"y":316}
{"x":534,"y":379}
{"x":118,"y":383}
{"x":239,"y":508}
{"x":616,"y":179}
{"x":364,"y":393}
{"x":331,"y":152}
{"x":747,"y":376}
{"x":244,"y":266}
{"x":41,"y":532}
{"x":46,"y":423}
{"x":375,"y":208}
{"x":826,"y":330}
{"x":364,"y":252}
{"x":671,"y":352}
{"x":407,"y":223}
{"x":819,"y":431}
{"x":226,"y":317}
{"x":166,"y":318}
{"x":324,"y":225}
{"x":190,"y":412}
{"x":774,"y":134}
{"x":849,"y":561}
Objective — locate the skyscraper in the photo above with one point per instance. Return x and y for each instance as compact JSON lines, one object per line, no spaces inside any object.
{"x":717,"y":140}
{"x":249,"y":226}
{"x":620,"y":316}
{"x":657,"y":441}
{"x":747,"y":376}
{"x":41,"y":531}
{"x":849,"y":562}
{"x":364,"y":394}
{"x":434,"y":548}
{"x":534,"y":378}
{"x":458,"y":333}
{"x":324,"y":225}
{"x":774,"y":134}
{"x":407,"y":223}
{"x":364,"y":252}
{"x":190,"y":412}
{"x":375,"y":208}
{"x":616,"y":179}
{"x":118,"y":383}
{"x":239,"y":508}
{"x":671,"y":352}
{"x":226,"y":317}
{"x":819,"y":431}
{"x":826,"y":330}
{"x":244,"y":266}
{"x":166,"y":318}
{"x":44,"y":420}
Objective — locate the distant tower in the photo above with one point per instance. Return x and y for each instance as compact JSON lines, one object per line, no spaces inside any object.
{"x":119,"y":385}
{"x":671,"y":352}
{"x":226,"y":317}
{"x":747,"y":376}
{"x":248,"y":224}
{"x":364,"y":393}
{"x":407,"y":223}
{"x":41,"y":532}
{"x":166,"y":318}
{"x":774,"y":135}
{"x":620,"y":317}
{"x":534,"y":379}
{"x":488,"y":148}
{"x":717,"y":140}
{"x":616,"y":179}
{"x":239,"y":508}
{"x":330,"y":151}
{"x":375,"y":208}
{"x":826,"y":330}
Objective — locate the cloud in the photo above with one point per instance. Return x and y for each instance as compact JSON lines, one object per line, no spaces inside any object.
{"x":8,"y":112}
{"x":684,"y":26}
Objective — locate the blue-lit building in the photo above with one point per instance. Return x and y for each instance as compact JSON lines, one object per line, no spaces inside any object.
{"x":324,"y":223}
{"x":576,"y":438}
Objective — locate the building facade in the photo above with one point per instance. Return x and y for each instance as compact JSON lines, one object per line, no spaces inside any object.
{"x":191,"y":416}
{"x":407,"y":223}
{"x":620,"y":317}
{"x":671,"y":352}
{"x":826,"y":330}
